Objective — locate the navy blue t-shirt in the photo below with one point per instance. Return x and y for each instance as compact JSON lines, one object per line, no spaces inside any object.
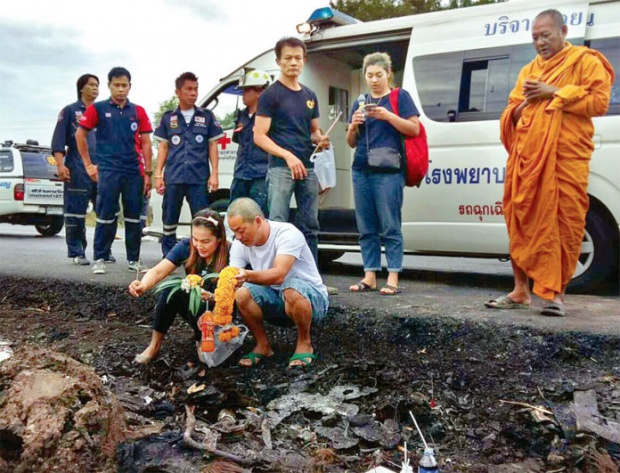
{"x":252,"y":161}
{"x":188,"y":149}
{"x":291,"y":112}
{"x":63,"y":140}
{"x":119,"y":128}
{"x":380,"y":133}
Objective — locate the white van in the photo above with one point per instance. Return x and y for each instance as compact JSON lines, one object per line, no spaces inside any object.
{"x":459,"y":66}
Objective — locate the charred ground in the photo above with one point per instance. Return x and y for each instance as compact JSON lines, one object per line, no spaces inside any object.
{"x":372,"y":370}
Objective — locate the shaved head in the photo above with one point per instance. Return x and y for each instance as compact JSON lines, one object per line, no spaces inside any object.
{"x":555,"y":16}
{"x":245,"y":208}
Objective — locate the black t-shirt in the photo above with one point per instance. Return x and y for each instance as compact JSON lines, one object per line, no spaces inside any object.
{"x":291,"y":112}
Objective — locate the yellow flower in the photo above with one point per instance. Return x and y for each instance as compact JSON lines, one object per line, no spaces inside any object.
{"x":225,"y":301}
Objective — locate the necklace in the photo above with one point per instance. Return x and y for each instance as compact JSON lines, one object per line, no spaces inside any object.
{"x":378,"y":102}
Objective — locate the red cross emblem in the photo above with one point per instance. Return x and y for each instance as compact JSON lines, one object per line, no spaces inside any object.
{"x":224,"y":140}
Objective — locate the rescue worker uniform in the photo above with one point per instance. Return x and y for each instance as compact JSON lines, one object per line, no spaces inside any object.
{"x":80,"y":189}
{"x":121,"y":172}
{"x":251,"y":165}
{"x":186,"y":170}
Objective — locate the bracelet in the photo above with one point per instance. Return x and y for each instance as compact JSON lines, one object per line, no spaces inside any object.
{"x":159,"y":176}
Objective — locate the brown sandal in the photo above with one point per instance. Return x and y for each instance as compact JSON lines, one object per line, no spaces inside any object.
{"x":362,"y":287}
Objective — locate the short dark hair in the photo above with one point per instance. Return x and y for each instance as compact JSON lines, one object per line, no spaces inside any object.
{"x":291,"y":42}
{"x":554,"y":14}
{"x":82,"y":81}
{"x":116,"y":72}
{"x":186,"y":76}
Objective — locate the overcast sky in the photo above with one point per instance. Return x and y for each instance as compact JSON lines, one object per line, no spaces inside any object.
{"x":46,"y":45}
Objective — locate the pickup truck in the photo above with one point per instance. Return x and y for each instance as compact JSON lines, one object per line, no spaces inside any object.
{"x":30,"y":191}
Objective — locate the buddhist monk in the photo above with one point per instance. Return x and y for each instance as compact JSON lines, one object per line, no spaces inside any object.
{"x":547,"y":130}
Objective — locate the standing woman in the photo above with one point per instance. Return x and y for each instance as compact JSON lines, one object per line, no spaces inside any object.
{"x":205,"y":252}
{"x":378,"y":173}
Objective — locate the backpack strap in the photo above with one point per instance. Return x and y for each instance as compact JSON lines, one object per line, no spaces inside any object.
{"x":394,"y":99}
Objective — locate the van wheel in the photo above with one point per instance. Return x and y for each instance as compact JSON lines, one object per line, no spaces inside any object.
{"x":51,"y":228}
{"x":598,"y":262}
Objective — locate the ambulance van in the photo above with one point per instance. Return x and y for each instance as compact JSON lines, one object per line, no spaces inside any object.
{"x":459,"y":66}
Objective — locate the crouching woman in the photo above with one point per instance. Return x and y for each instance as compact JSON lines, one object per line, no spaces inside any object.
{"x":205,"y":252}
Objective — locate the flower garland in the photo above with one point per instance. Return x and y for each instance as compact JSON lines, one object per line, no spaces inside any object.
{"x":224,"y":303}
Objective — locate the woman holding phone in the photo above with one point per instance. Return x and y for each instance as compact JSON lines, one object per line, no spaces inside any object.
{"x":375,"y":132}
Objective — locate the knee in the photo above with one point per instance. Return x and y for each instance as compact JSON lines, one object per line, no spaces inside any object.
{"x":295,"y":303}
{"x":244,"y":301}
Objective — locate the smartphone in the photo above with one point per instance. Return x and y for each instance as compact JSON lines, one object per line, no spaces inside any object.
{"x":370,"y":106}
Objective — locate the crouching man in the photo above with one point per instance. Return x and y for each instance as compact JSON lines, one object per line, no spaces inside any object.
{"x":284,"y":282}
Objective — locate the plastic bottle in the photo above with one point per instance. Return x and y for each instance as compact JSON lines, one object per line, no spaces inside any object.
{"x":428,"y":463}
{"x":361,"y":103}
{"x":207,"y":327}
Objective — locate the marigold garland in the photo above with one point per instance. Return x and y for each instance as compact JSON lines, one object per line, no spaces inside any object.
{"x":225,"y":296}
{"x":224,"y":303}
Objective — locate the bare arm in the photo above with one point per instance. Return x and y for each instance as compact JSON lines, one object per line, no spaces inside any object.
{"x":154,"y":276}
{"x":316,"y":135}
{"x":282,"y":264}
{"x":82,"y":146}
{"x":214,"y":158}
{"x":147,"y":152}
{"x":405,"y":126}
{"x":63,"y":171}
{"x":162,"y":156}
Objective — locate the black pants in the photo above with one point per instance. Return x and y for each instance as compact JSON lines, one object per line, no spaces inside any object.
{"x":166,"y":311}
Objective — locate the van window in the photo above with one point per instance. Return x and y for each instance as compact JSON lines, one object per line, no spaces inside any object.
{"x":39,"y":165}
{"x":225,"y":104}
{"x":469,"y":85}
{"x":610,"y":47}
{"x":6,"y":161}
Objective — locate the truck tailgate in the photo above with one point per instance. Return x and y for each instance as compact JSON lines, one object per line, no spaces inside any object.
{"x":43,"y":192}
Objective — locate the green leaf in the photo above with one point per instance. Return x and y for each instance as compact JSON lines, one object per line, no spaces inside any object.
{"x":176,"y":281}
{"x":172,"y":292}
{"x":211,"y":276}
{"x":194,"y":301}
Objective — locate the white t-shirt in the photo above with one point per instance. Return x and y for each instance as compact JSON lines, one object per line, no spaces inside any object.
{"x":187,"y":115}
{"x":284,"y":239}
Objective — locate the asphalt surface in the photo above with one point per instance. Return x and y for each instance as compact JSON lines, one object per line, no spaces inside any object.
{"x":431,"y":286}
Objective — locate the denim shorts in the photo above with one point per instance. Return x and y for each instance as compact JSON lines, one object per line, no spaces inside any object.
{"x":271,"y":301}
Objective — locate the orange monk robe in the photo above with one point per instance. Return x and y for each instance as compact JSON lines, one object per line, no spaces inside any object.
{"x":545,"y":192}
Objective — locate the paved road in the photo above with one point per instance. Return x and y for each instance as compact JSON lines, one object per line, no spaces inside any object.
{"x":432,"y":286}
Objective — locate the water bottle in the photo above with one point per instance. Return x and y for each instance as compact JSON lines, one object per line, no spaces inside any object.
{"x":428,"y":463}
{"x":361,"y":101}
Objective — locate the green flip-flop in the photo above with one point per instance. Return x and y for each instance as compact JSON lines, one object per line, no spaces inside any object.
{"x":255,"y":358}
{"x":306,"y":359}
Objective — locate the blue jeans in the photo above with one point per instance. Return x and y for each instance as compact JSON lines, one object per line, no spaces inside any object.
{"x":378,"y":212}
{"x":78,"y":192}
{"x":255,"y":189}
{"x":271,"y":301}
{"x":197,"y":198}
{"x":281,"y":188}
{"x":111,"y":186}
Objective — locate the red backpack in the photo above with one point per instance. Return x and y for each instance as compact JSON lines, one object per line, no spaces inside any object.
{"x":416,"y":150}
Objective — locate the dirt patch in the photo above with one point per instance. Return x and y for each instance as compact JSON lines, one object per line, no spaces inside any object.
{"x":56,"y":414}
{"x":351,"y":410}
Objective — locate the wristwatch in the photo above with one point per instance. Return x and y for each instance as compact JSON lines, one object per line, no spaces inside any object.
{"x":148,"y":173}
